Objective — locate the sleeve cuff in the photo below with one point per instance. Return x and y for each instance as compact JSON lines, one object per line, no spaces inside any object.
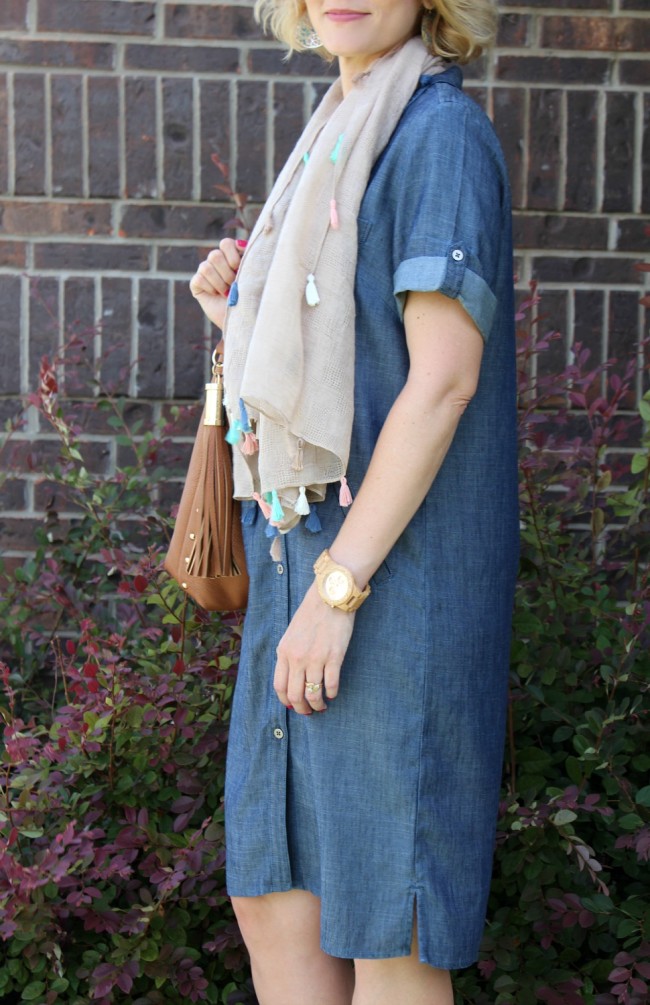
{"x":452,"y":274}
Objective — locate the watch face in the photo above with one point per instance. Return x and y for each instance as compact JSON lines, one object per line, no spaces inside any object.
{"x":337,"y":586}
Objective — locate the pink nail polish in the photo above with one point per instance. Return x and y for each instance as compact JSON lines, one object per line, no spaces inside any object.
{"x":289,"y":708}
{"x":241,"y":244}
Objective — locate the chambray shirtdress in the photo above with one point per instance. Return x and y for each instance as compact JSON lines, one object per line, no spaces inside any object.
{"x":389,"y":799}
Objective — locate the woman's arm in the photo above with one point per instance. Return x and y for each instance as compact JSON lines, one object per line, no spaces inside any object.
{"x":445,"y":350}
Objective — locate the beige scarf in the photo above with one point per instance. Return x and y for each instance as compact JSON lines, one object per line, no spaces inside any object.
{"x":289,"y":332}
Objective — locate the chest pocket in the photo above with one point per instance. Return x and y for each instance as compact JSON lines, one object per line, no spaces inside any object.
{"x":364,"y":226}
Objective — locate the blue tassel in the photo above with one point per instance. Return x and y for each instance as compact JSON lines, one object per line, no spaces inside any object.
{"x":312,"y":523}
{"x":233,"y":436}
{"x":277,"y":513}
{"x":271,"y":531}
{"x":249,"y":514}
{"x":245,"y":421}
{"x":233,"y":296}
{"x":305,"y":157}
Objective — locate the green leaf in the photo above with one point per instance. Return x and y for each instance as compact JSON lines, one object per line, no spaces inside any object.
{"x":563,"y":817}
{"x":33,"y":991}
{"x":642,"y":797}
{"x":639,"y":463}
{"x":630,"y":822}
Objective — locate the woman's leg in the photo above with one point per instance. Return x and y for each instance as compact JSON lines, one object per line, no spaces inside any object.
{"x":401,"y":979}
{"x":282,"y":935}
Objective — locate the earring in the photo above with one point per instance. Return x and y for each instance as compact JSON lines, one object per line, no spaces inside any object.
{"x":428,"y":27}
{"x":306,"y":36}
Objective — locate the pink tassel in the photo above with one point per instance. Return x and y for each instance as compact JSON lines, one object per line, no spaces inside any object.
{"x":345,"y":496}
{"x":250,"y":445}
{"x":263,"y":505}
{"x":334,"y":215}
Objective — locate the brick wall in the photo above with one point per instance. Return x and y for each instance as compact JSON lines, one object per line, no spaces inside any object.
{"x":111,"y":110}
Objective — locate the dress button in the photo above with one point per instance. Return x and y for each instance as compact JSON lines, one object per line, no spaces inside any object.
{"x":280,"y":568}
{"x":457,"y":255}
{"x":278,"y":733}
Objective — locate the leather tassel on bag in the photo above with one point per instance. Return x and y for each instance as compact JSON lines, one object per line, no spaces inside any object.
{"x":206,"y":552}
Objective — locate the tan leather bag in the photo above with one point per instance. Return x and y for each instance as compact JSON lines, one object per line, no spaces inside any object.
{"x":206,"y":552}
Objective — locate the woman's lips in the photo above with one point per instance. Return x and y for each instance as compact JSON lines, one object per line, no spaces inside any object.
{"x":344,"y":15}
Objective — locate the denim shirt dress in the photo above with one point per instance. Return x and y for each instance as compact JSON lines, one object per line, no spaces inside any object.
{"x":386,"y":804}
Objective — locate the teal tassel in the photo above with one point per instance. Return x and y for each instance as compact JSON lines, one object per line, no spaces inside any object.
{"x":305,"y":157}
{"x":334,"y":156}
{"x":233,"y":436}
{"x":277,"y":513}
{"x":312,"y":523}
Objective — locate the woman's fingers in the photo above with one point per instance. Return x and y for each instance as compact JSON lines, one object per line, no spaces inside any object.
{"x":211,"y":283}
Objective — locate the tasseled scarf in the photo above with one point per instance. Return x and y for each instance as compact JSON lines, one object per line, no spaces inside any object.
{"x":289,"y":333}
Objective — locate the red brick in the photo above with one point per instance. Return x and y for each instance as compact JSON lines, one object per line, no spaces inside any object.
{"x":18,"y":533}
{"x":619,"y":152}
{"x":59,"y":54}
{"x":271,"y":63}
{"x":514,"y":29}
{"x":561,"y":231}
{"x":250,"y":169}
{"x":182,"y":58}
{"x":554,"y":70}
{"x":41,"y":217}
{"x":103,"y":136}
{"x":634,"y":72}
{"x":116,"y":324}
{"x":103,"y":17}
{"x":79,"y":328}
{"x":606,"y":34}
{"x":181,"y":258}
{"x":624,"y":327}
{"x":581,"y":152}
{"x":595,"y":269}
{"x":13,"y":15}
{"x":553,"y":317}
{"x":13,"y":254}
{"x":10,"y":295}
{"x":29,"y":129}
{"x":152,"y":338}
{"x":42,"y":455}
{"x":52,"y":497}
{"x":589,"y":313}
{"x":633,"y":235}
{"x":544,"y":149}
{"x":178,"y":121}
{"x":220,"y":21}
{"x":190,"y":344}
{"x":140,"y":129}
{"x":509,"y":112}
{"x":67,"y":154}
{"x":44,"y":333}
{"x":287,"y":121}
{"x":194,"y":223}
{"x":215,"y":131}
{"x":81,"y":256}
{"x":12,"y":494}
{"x":92,"y":417}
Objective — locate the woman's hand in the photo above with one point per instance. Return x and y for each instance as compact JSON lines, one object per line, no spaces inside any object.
{"x":311,"y":651}
{"x":214,"y":277}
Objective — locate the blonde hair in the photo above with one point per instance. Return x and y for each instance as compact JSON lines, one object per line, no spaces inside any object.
{"x":460,"y":29}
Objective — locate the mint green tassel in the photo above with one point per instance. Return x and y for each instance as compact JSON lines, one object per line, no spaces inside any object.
{"x":233,"y":436}
{"x":277,"y":513}
{"x":334,"y":156}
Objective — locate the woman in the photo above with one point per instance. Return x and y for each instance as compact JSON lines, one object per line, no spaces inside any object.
{"x":369,"y":349}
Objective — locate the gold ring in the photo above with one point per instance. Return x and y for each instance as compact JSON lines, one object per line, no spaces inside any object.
{"x":312,"y":688}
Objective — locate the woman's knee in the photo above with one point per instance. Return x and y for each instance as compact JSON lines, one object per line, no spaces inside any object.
{"x":294,"y":915}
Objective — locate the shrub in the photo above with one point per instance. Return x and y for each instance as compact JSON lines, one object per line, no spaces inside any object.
{"x":111,"y":840}
{"x":111,"y":822}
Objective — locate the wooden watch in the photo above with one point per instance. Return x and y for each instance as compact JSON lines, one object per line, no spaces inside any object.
{"x":336,"y":584}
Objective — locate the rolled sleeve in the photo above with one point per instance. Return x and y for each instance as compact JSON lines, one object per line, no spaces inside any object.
{"x":450,"y":273}
{"x":452,"y":215}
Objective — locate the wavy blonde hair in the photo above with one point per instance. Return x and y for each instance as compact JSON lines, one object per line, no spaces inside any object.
{"x":460,"y":29}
